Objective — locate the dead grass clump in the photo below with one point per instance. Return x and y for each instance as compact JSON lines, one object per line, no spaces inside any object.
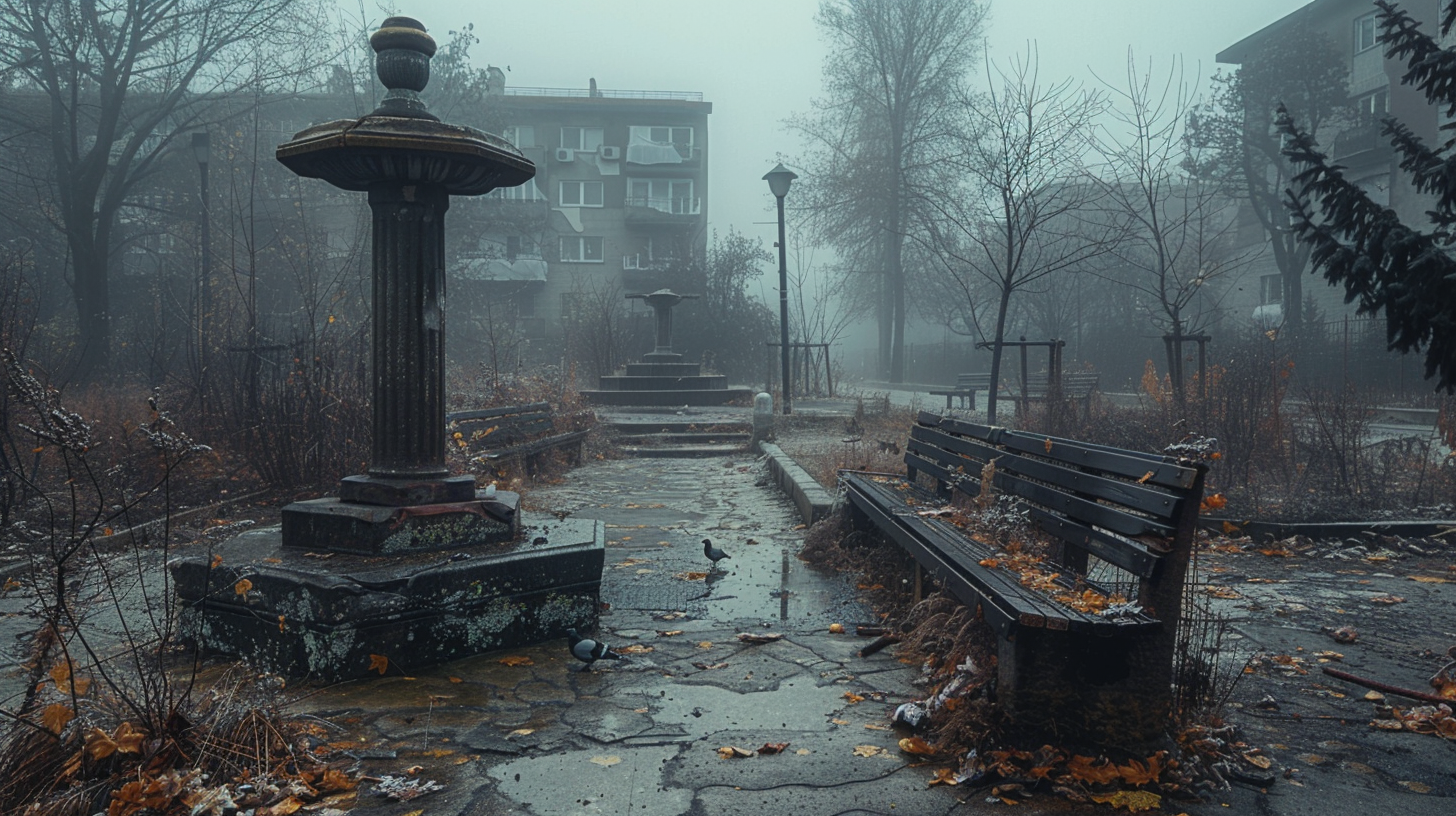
{"x":80,"y":749}
{"x":871,"y":440}
{"x":884,"y":570}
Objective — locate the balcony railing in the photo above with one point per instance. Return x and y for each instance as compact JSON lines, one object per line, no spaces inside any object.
{"x":1358,"y":139}
{"x":641,"y":262}
{"x":681,"y":96}
{"x":670,"y":206}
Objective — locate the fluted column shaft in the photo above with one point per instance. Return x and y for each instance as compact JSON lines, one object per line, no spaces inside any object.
{"x":409,"y":330}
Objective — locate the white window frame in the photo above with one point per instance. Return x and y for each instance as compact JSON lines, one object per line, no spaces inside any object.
{"x":1366,"y":34}
{"x":587,"y":139}
{"x":576,"y":248}
{"x":1271,"y":290}
{"x":580,"y":195}
{"x":662,"y":194}
{"x":522,"y":136}
{"x":1373,"y":106}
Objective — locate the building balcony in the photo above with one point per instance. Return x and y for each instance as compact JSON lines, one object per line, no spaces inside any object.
{"x":663,"y":210}
{"x":1361,"y":145}
{"x":642,"y":262}
{"x":654,"y":154}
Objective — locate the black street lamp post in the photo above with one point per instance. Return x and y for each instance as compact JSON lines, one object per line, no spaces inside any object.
{"x":779,"y":179}
{"x":201,"y":149}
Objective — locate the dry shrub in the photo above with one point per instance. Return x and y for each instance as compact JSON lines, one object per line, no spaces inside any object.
{"x":230,"y":731}
{"x":873,"y":440}
{"x":884,"y":570}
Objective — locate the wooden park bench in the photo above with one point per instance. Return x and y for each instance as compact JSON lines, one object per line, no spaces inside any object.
{"x":1077,"y":386}
{"x":512,"y":432}
{"x":1113,"y":522}
{"x":965,"y":388}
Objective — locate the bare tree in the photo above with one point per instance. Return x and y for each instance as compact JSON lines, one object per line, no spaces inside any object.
{"x":113,"y":85}
{"x":1308,"y":73}
{"x":1017,"y":215}
{"x":1174,"y":226}
{"x":881,"y":131}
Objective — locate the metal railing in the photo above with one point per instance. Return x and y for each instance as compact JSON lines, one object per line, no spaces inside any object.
{"x":671,"y":206}
{"x":680,"y":96}
{"x":645,"y":263}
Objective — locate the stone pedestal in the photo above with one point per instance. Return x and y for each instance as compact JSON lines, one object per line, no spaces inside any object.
{"x":291,"y":612}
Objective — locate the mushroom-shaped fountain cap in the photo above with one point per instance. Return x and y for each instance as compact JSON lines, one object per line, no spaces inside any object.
{"x":401,"y":142}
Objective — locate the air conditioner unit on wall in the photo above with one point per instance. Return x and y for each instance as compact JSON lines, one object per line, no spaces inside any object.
{"x":610,"y":153}
{"x":565,"y":154}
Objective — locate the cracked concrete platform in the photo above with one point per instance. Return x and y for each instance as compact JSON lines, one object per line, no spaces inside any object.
{"x":641,"y":736}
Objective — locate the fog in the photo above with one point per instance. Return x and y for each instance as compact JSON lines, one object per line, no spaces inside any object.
{"x":758,"y":61}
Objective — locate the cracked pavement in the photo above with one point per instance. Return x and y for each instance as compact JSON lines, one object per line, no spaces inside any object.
{"x":642,"y":735}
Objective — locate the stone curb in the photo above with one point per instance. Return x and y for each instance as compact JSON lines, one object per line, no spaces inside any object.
{"x":813,"y":501}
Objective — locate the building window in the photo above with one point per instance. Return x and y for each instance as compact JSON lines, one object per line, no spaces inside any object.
{"x":521,"y":136}
{"x":582,"y":249}
{"x":581,"y":194}
{"x":521,"y":192}
{"x":1271,"y":289}
{"x":1365,"y":33}
{"x":665,"y":195}
{"x":1370,"y":108}
{"x":659,"y":144}
{"x":581,"y":138}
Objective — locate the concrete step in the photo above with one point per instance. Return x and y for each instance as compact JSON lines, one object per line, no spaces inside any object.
{"x":681,"y":451}
{"x":677,"y":426}
{"x":685,"y":438}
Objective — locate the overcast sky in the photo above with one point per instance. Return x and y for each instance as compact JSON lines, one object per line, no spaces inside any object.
{"x":758,"y":61}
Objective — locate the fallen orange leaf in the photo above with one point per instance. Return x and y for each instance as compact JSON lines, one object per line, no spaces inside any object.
{"x":378,"y":663}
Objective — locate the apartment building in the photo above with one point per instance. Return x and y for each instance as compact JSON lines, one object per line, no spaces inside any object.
{"x":618,"y":204}
{"x":1353,"y":141}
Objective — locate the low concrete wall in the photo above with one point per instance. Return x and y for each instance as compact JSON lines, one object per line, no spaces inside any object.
{"x":813,"y":501}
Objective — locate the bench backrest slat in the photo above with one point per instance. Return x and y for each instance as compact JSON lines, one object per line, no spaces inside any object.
{"x":1102,"y":515}
{"x":1085,"y":483}
{"x":1127,"y":555}
{"x":503,"y":411}
{"x":1166,"y":471}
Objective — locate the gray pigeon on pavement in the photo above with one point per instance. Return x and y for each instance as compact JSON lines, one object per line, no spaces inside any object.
{"x":714,"y":554}
{"x":589,"y":651}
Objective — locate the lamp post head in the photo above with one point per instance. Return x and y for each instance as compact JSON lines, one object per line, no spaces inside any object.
{"x":201,"y":146}
{"x":779,"y":180}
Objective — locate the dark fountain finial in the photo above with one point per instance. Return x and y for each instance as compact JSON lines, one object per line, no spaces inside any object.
{"x":402,"y":61}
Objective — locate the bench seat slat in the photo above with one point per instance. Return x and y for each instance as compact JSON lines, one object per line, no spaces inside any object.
{"x":1092,"y":485}
{"x":948,"y":544}
{"x":1023,"y":607}
{"x":937,"y":564}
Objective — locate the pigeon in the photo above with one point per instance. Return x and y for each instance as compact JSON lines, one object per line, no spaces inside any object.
{"x":714,"y":554}
{"x":589,"y":651}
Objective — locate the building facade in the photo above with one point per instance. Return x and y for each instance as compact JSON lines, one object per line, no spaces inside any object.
{"x":1352,"y":140}
{"x":619,"y":201}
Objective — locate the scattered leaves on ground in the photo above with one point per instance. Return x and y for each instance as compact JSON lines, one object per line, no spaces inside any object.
{"x":917,"y":746}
